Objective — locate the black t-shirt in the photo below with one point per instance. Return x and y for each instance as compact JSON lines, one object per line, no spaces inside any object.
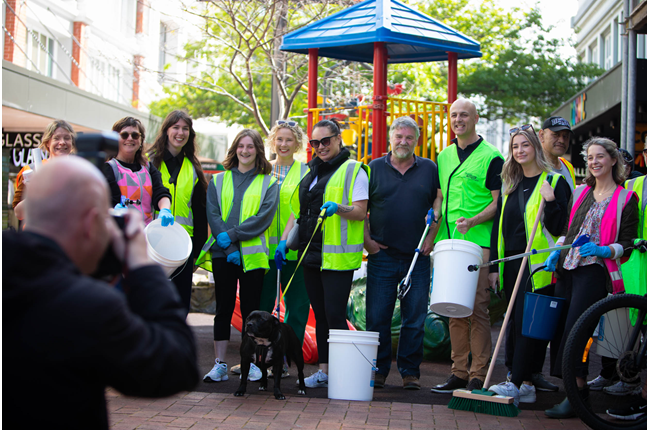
{"x":398,"y":204}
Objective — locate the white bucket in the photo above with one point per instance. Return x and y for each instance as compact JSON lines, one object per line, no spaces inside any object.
{"x":168,"y":246}
{"x":352,"y":360}
{"x":613,"y":333}
{"x":454,"y":287}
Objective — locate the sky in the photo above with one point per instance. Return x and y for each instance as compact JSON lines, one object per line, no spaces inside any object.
{"x":551,"y":16}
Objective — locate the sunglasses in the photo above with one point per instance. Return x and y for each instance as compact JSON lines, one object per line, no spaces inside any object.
{"x":134,"y":135}
{"x":324,"y":141}
{"x":289,"y":123}
{"x":522,"y":128}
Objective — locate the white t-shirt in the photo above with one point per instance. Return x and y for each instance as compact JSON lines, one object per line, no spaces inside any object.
{"x":360,"y":188}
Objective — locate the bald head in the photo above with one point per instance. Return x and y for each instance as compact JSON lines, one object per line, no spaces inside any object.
{"x":463,"y":121}
{"x":67,"y":201}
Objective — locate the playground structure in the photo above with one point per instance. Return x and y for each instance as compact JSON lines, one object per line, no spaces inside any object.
{"x":382,"y":32}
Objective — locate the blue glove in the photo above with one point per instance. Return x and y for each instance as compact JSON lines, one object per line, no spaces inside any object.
{"x":119,"y":206}
{"x":166,"y":217}
{"x":223,"y":240}
{"x":551,"y":261}
{"x":589,"y":249}
{"x":234,"y":258}
{"x":330,"y":208}
{"x":280,"y":254}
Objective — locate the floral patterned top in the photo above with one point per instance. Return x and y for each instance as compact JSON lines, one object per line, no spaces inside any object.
{"x":590,"y":226}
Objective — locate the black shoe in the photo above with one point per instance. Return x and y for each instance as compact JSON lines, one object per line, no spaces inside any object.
{"x":475,"y":384}
{"x":636,"y":410}
{"x":542,"y":384}
{"x":453,"y":383}
{"x":561,"y":411}
{"x":380,"y":380}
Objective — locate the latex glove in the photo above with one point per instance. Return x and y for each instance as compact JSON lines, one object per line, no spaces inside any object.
{"x":223,"y":240}
{"x":551,"y":261}
{"x":166,"y":217}
{"x":280,"y":254}
{"x":330,"y":208}
{"x":119,"y":206}
{"x":589,"y":249}
{"x":234,"y":258}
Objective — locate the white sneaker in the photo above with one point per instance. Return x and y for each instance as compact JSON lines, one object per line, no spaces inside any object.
{"x":218,"y":373}
{"x":527,"y":394}
{"x":599,"y":383}
{"x":507,"y":389}
{"x":254,"y":373}
{"x":620,"y":389}
{"x":317,"y":380}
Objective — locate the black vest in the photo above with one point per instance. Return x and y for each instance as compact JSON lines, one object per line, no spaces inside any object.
{"x":310,"y":204}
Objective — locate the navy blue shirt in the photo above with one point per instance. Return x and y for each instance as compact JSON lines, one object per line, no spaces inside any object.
{"x":398,"y":204}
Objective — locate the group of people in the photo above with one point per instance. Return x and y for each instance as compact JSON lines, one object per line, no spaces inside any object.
{"x":309,"y":223}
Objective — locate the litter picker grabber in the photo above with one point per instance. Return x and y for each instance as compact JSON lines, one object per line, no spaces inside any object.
{"x":404,"y":286}
{"x":483,"y":400}
{"x":580,"y":240}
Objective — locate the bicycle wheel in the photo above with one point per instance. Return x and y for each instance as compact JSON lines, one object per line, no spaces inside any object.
{"x":607,"y":329}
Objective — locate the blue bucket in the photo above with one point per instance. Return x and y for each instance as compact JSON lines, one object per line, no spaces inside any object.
{"x":541,"y":315}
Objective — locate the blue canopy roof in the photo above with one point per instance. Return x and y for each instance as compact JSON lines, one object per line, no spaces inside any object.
{"x":410,"y":36}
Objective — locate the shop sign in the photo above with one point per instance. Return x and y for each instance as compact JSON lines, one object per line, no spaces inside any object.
{"x":578,"y":112}
{"x":20,"y":146}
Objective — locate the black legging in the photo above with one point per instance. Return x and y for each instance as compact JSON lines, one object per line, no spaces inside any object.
{"x":182,"y":279}
{"x":581,"y":287}
{"x":226,"y":276}
{"x":328,"y":292}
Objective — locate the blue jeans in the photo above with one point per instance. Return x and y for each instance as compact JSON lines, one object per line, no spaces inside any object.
{"x":384,"y":275}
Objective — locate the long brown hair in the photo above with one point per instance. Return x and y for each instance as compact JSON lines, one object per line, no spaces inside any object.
{"x":189,"y":150}
{"x":129,"y":121}
{"x":262,"y":165}
{"x":618,"y":169}
{"x":512,"y":172}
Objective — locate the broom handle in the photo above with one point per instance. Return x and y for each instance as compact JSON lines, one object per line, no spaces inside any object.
{"x":513,"y":297}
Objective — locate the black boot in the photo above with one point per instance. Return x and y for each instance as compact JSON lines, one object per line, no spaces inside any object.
{"x":561,"y":411}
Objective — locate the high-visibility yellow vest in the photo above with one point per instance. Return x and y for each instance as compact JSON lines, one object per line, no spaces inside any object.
{"x":464,"y":192}
{"x":543,"y":239}
{"x":640,"y":187}
{"x":182,"y":192}
{"x":254,"y":252}
{"x":274,"y":233}
{"x":342,"y":238}
{"x":571,"y":171}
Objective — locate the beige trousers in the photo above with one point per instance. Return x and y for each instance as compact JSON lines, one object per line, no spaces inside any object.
{"x":473,"y":333}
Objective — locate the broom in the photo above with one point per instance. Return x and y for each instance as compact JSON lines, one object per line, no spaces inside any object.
{"x":484,"y":401}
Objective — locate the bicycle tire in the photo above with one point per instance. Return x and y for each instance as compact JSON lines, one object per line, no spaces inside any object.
{"x":592,"y":411}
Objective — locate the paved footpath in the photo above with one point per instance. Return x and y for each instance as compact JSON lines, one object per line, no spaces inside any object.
{"x":206,"y":411}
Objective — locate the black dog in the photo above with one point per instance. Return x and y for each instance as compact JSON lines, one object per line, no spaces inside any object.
{"x":266,"y":342}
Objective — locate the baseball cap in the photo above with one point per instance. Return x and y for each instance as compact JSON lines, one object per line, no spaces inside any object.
{"x":557,"y":123}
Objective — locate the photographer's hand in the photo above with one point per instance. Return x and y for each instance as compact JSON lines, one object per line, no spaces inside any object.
{"x":131,"y":246}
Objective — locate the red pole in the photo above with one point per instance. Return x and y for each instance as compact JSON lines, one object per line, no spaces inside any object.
{"x":312,"y":91}
{"x":380,"y":76}
{"x":452,"y":81}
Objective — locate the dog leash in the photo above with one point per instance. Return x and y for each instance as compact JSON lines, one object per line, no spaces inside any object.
{"x":319,"y":221}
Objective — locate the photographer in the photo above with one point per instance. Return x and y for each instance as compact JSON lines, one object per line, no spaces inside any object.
{"x":71,"y":335}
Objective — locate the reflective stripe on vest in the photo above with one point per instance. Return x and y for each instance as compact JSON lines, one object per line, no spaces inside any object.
{"x":135,"y":186}
{"x":182,"y":192}
{"x":274,"y":233}
{"x":571,"y":171}
{"x":543,"y":239}
{"x":640,"y":187}
{"x":610,"y":226}
{"x":464,"y":192}
{"x":342,"y":238}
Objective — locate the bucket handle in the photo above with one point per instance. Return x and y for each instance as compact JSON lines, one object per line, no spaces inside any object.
{"x":452,"y":236}
{"x":375,"y":368}
{"x":182,"y":268}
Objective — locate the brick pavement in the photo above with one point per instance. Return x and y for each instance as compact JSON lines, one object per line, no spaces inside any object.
{"x":206,"y":411}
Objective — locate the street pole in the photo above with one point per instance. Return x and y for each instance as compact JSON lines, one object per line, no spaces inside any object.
{"x":624,"y":60}
{"x":631,"y":92}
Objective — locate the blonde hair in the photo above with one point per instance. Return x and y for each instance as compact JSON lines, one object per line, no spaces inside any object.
{"x":51,"y":129}
{"x":298,"y":134}
{"x":618,"y":170}
{"x":512,"y":172}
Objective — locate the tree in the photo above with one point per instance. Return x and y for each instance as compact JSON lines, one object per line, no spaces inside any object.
{"x":241,"y":45}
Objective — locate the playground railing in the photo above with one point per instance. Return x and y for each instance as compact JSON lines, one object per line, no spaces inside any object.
{"x":432,"y":119}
